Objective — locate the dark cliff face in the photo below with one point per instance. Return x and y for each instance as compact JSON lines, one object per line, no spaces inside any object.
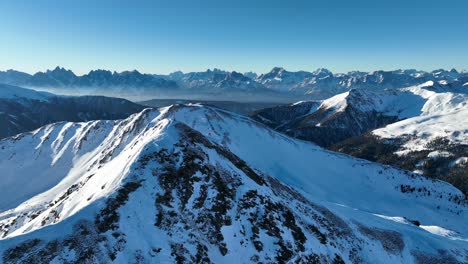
{"x":284,"y":114}
{"x":325,"y":129}
{"x":323,"y":126}
{"x":22,"y":115}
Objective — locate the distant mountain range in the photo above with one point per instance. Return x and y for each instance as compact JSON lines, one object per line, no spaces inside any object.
{"x":276,"y":85}
{"x":60,"y":77}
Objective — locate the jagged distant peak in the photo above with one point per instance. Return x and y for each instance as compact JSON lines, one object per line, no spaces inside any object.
{"x":322,"y":71}
{"x":215,"y":70}
{"x":177,"y":73}
{"x":131,"y":72}
{"x":61,"y":71}
{"x":101,"y":71}
{"x":58,"y":69}
{"x":277,"y":69}
{"x":235,"y":74}
{"x":251,"y":74}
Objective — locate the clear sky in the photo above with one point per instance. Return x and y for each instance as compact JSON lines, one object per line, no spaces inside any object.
{"x":162,"y":36}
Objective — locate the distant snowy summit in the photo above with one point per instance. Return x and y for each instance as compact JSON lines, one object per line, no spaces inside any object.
{"x":323,"y":83}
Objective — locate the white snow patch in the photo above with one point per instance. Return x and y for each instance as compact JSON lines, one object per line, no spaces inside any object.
{"x":440,"y":231}
{"x":337,"y":102}
{"x":459,"y":161}
{"x":437,"y":154}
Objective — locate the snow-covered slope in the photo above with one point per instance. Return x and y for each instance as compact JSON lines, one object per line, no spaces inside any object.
{"x":398,"y":103}
{"x":423,"y":129}
{"x":360,"y":110}
{"x":443,"y":114}
{"x":198,"y":184}
{"x":433,"y":119}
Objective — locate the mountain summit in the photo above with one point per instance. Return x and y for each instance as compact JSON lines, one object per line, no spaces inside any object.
{"x":192,"y":183}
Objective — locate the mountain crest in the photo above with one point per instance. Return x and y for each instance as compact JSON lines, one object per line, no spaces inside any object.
{"x":199,"y":184}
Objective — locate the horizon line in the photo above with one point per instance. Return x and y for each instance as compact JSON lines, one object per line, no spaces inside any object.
{"x":242,"y":72}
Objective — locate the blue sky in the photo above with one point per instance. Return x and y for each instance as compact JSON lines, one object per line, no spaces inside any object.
{"x":163,"y":36}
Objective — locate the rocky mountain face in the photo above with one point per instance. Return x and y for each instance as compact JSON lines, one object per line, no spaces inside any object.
{"x":277,"y":117}
{"x":23,"y":110}
{"x":198,"y":184}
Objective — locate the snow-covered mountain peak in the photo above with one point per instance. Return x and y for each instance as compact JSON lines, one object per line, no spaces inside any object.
{"x":60,"y":70}
{"x":165,"y":184}
{"x":337,"y":102}
{"x":277,"y":70}
{"x":322,"y":72}
{"x":426,"y":98}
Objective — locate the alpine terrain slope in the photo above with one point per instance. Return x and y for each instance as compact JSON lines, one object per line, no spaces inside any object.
{"x":360,"y":110}
{"x":433,"y":143}
{"x":425,"y":124}
{"x":23,"y":110}
{"x":192,"y":183}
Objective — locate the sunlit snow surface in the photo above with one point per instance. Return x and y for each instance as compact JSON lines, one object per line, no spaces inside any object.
{"x":428,"y":111}
{"x":443,"y":114}
{"x":40,"y":166}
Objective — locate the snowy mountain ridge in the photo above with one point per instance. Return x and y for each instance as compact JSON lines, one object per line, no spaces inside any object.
{"x":134,"y":188}
{"x":421,"y":128}
{"x":424,"y":99}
